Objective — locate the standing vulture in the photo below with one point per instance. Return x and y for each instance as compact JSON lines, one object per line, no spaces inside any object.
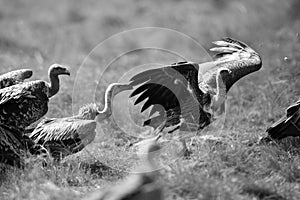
{"x":190,"y":93}
{"x":138,"y":186}
{"x":288,"y":125}
{"x":23,"y":104}
{"x":65,"y":136}
{"x":14,"y":77}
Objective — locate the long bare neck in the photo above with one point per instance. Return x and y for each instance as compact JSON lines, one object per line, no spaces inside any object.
{"x":107,"y":110}
{"x":54,"y":84}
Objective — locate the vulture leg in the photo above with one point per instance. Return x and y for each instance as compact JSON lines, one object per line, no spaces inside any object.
{"x":186,"y":152}
{"x":218,"y":100}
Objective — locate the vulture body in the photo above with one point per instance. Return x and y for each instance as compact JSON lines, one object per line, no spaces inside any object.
{"x":138,"y":186}
{"x":187,"y":95}
{"x":288,"y":125}
{"x":25,"y":103}
{"x":14,"y":77}
{"x":14,"y":146}
{"x":65,"y":136}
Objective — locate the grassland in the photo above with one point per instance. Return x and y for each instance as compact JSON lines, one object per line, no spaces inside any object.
{"x":35,"y":34}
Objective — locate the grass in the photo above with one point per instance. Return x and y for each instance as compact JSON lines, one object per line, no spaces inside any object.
{"x":35,"y":34}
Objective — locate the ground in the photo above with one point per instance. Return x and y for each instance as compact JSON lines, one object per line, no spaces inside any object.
{"x":35,"y":34}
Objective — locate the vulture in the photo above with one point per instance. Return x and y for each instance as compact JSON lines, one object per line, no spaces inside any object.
{"x":185,"y":96}
{"x":13,"y":147}
{"x":25,"y":103}
{"x":14,"y":77}
{"x":288,"y":125}
{"x":65,"y":136}
{"x":138,"y":186}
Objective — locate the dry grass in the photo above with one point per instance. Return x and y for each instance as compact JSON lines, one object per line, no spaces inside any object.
{"x":37,"y":33}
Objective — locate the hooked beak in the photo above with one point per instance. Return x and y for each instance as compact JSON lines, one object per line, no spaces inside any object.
{"x":67,"y":72}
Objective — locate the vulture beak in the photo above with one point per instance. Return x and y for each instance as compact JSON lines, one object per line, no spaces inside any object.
{"x":67,"y":72}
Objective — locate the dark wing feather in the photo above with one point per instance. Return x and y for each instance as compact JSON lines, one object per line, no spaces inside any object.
{"x":11,"y":147}
{"x":285,"y":127}
{"x":23,"y":104}
{"x":14,"y":77}
{"x":234,"y":55}
{"x":293,"y":109}
{"x":288,"y":125}
{"x":171,"y":87}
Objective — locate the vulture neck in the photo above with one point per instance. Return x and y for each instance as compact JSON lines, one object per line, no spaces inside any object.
{"x":54,"y":84}
{"x":107,"y":111}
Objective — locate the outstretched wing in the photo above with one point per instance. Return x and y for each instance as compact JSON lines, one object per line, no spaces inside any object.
{"x":165,"y":84}
{"x":14,"y":77}
{"x":233,"y":55}
{"x":174,"y":87}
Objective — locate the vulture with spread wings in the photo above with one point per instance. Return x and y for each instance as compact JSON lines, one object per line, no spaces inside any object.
{"x":191,"y":92}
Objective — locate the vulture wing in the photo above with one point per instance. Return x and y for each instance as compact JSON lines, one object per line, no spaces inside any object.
{"x":60,"y":134}
{"x":173,"y":87}
{"x":233,"y":55}
{"x":11,"y":147}
{"x":293,"y":109}
{"x":23,"y":104}
{"x":288,"y":125}
{"x":14,"y":77}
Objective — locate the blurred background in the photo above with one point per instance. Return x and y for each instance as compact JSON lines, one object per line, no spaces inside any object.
{"x":35,"y":34}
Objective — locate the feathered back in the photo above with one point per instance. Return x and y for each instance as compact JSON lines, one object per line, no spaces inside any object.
{"x":59,"y":129}
{"x":23,"y":104}
{"x":88,"y":111}
{"x":64,"y":136}
{"x":14,"y":77}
